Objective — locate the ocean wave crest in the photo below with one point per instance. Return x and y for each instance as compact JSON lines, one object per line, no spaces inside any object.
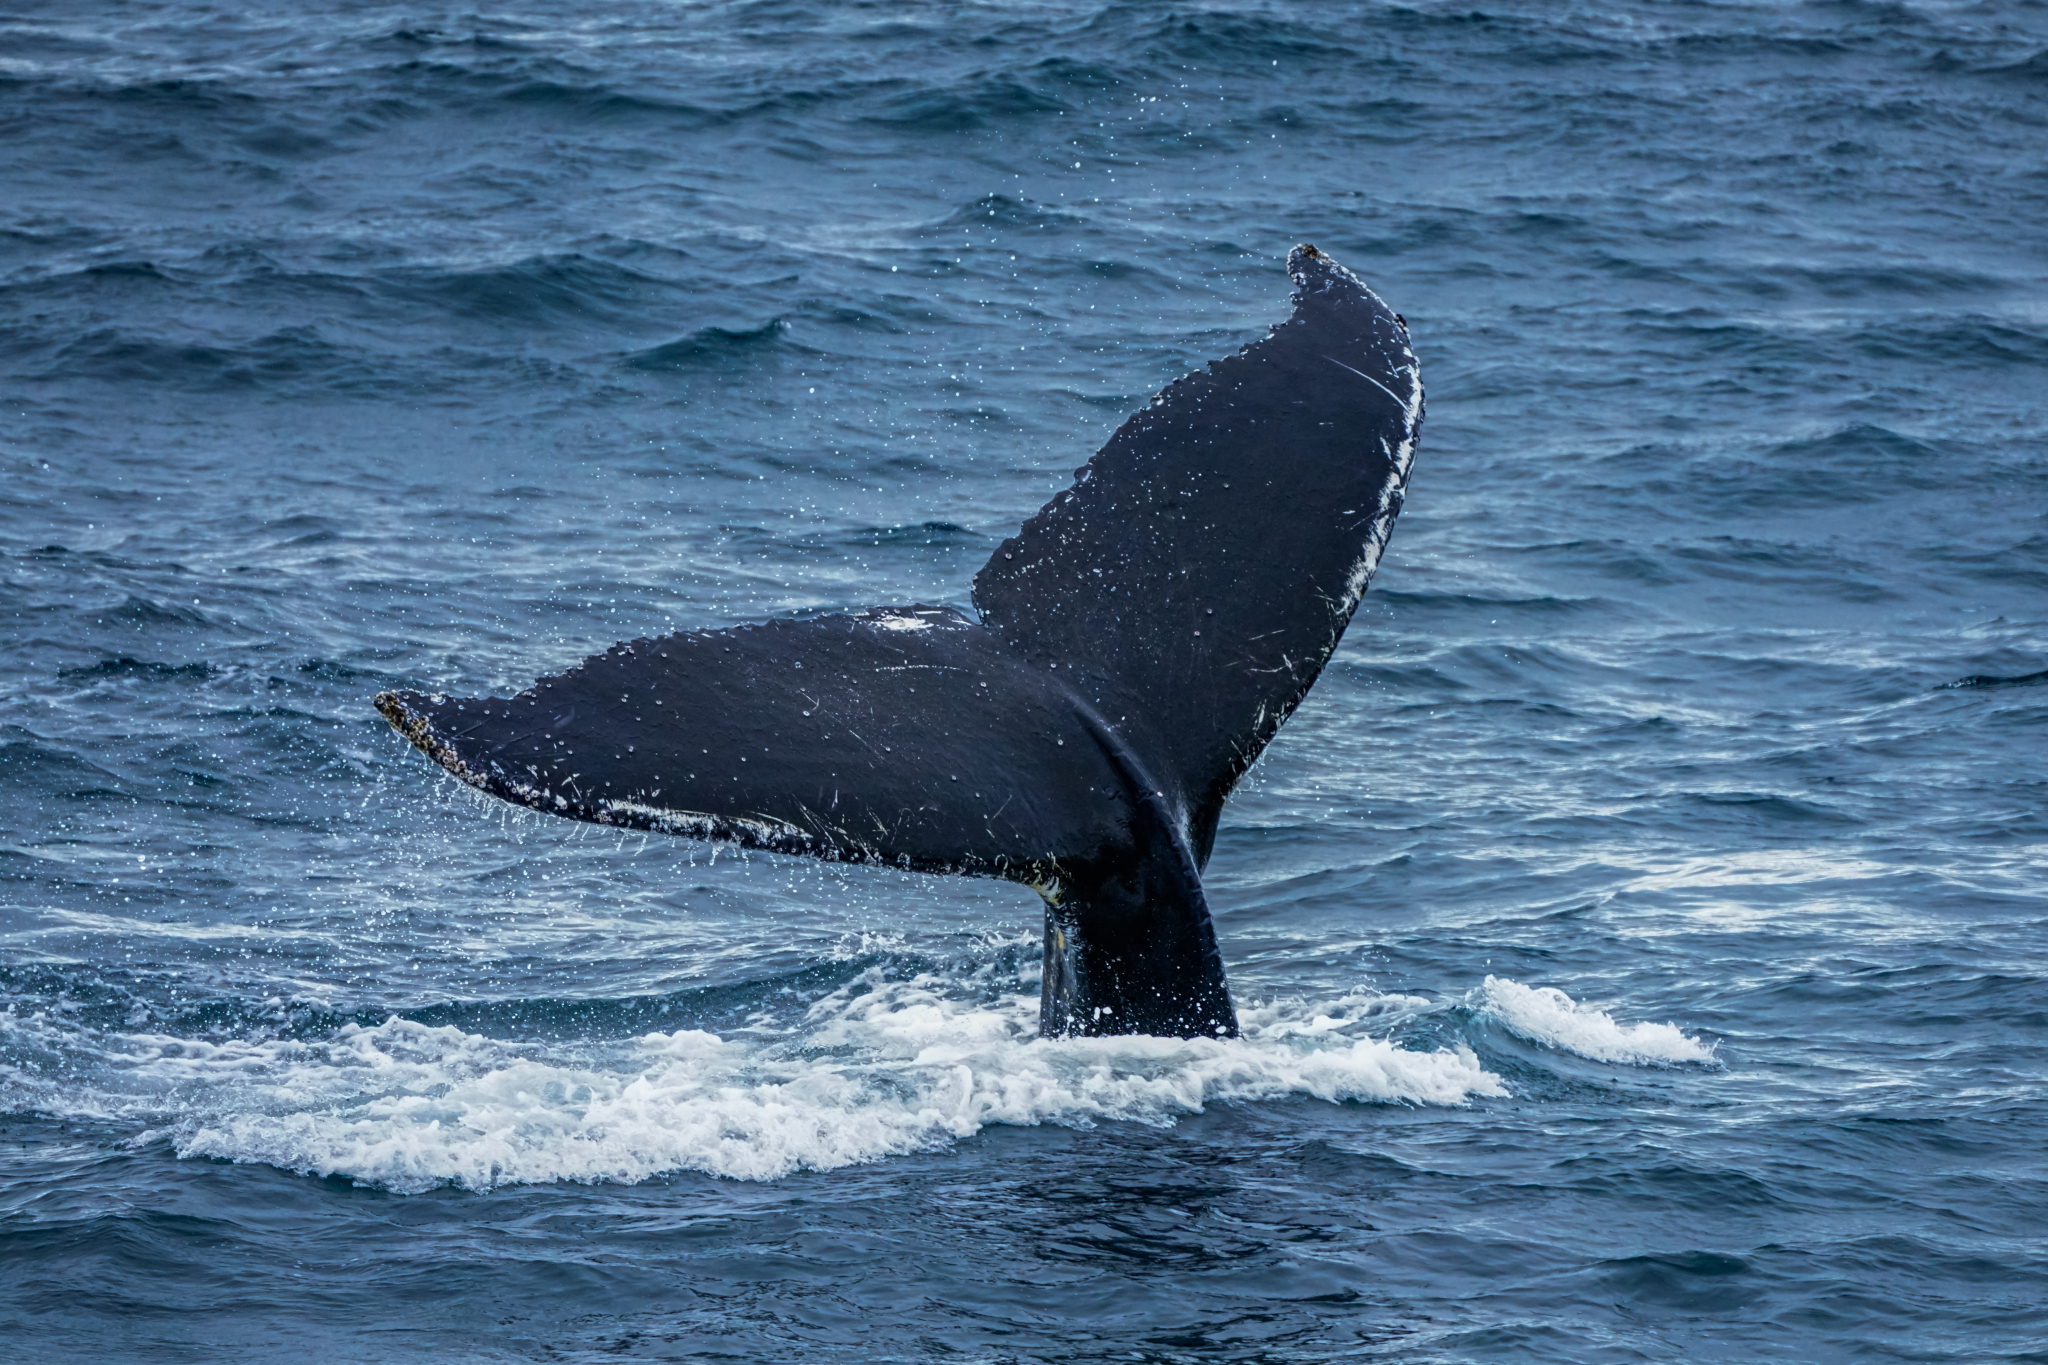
{"x":1546,"y":1015}
{"x":878,"y":1068}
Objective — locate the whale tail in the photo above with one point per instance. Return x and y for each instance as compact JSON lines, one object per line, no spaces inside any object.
{"x":1141,"y":639}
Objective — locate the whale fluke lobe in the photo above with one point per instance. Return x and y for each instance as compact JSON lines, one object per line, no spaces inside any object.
{"x":1141,"y":639}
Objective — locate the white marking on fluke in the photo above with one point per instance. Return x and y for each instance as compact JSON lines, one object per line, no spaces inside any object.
{"x":1366,"y":377}
{"x":697,"y":825}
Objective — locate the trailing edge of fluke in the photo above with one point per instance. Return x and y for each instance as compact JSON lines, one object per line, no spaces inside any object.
{"x":1140,"y":640}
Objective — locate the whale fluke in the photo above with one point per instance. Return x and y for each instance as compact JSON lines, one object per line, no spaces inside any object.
{"x":1141,"y":639}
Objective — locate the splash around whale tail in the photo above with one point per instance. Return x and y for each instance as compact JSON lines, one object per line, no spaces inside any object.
{"x":1141,"y":639}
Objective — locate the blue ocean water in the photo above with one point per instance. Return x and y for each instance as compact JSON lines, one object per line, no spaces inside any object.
{"x":1640,"y":933}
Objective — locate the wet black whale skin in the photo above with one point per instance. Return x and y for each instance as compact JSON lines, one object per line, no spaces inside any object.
{"x":1141,"y":639}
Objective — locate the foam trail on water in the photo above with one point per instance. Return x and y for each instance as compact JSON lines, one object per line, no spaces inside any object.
{"x":876,"y":1069}
{"x":1544,"y":1014}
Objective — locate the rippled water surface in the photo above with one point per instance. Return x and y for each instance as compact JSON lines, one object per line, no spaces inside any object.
{"x":1640,"y":933}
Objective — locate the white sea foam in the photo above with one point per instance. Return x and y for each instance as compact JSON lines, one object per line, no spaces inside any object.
{"x":1544,"y":1014}
{"x":876,"y":1069}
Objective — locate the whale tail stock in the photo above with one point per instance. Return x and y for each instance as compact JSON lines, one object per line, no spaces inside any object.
{"x":1141,"y":639}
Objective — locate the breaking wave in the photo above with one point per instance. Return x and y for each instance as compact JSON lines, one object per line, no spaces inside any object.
{"x":1546,"y":1015}
{"x":877,"y":1068}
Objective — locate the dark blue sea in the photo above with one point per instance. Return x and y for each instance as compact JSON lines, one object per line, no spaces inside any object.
{"x":1641,"y":934}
